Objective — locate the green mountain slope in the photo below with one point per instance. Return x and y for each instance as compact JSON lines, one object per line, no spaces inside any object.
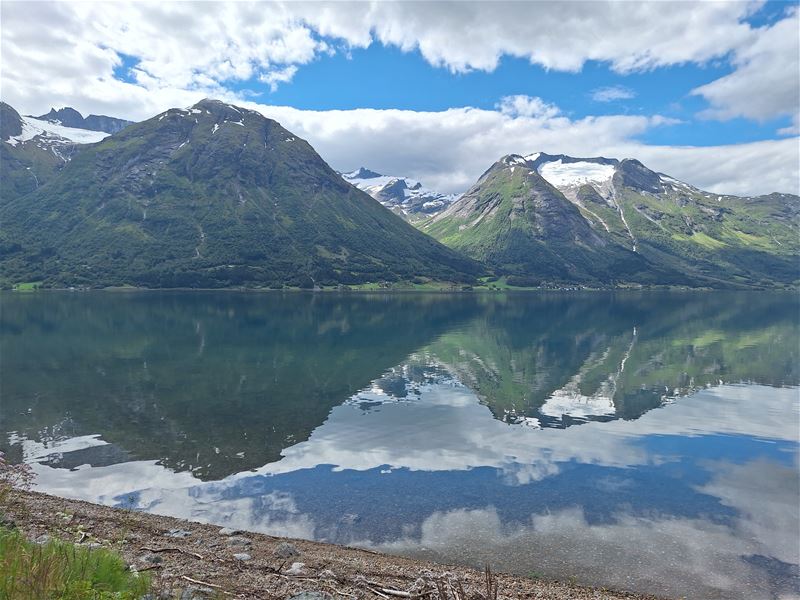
{"x":607,"y":222}
{"x":517,"y":222}
{"x":211,"y":196}
{"x":26,"y":165}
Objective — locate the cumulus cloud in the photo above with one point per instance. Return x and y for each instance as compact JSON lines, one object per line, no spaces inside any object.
{"x":527,"y":106}
{"x":612,"y":93}
{"x":174,"y":54}
{"x":555,"y":35}
{"x":766,"y":79}
{"x":74,"y":47}
{"x":273,"y":78}
{"x":448,"y":150}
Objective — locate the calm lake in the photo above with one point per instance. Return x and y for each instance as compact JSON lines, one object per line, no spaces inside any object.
{"x":644,"y":441}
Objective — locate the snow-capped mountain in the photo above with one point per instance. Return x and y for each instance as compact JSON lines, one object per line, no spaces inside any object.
{"x":404,"y":196}
{"x":544,"y":217}
{"x":69,"y":117}
{"x":44,"y":133}
{"x":33,"y":150}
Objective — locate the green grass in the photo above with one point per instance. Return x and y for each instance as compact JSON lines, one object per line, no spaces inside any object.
{"x":27,"y":286}
{"x":57,"y":569}
{"x":698,"y":237}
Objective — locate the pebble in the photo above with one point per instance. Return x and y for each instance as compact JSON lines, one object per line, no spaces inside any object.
{"x":196,"y":593}
{"x":42,"y":539}
{"x":297,"y":568}
{"x":242,"y":556}
{"x":285,"y":550}
{"x":178,"y":533}
{"x":153,"y":559}
{"x":311,"y":596}
{"x":238,"y":541}
{"x":229,"y":531}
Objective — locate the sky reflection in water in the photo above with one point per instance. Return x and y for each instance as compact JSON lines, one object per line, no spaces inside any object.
{"x":519,"y":432}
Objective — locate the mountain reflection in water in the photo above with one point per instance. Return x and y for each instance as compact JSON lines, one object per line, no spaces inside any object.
{"x":440,"y":426}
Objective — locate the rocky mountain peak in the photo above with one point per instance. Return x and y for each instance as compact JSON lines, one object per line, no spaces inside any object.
{"x":632,"y":173}
{"x":362,"y":173}
{"x":10,"y":122}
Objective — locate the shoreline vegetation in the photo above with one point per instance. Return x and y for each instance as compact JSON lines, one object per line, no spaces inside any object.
{"x":399,"y":287}
{"x":175,"y":558}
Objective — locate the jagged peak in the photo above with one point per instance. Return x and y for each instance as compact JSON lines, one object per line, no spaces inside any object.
{"x":361,"y":173}
{"x":60,"y":112}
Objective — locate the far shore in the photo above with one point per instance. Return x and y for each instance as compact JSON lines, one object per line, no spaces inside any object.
{"x":465,"y":289}
{"x":209,"y":562}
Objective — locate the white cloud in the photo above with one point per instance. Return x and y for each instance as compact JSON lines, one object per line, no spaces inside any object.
{"x":555,"y":35}
{"x":611,"y":93}
{"x":448,"y":150}
{"x":527,"y":106}
{"x":279,"y":76}
{"x":67,"y":54}
{"x":766,"y":79}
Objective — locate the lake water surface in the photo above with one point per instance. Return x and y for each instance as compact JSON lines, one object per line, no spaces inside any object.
{"x":645,"y":441}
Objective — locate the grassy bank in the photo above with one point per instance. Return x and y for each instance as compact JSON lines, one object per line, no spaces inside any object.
{"x":56,"y":569}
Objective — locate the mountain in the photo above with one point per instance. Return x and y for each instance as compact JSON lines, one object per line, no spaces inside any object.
{"x":601,"y":221}
{"x":32,"y":151}
{"x":406,"y":197}
{"x":211,"y":196}
{"x":69,"y":117}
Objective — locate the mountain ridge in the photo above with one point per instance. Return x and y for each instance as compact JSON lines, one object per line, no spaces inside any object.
{"x":69,"y":117}
{"x":673,"y":233}
{"x":402,"y":195}
{"x":153,"y":204}
{"x":212,"y":196}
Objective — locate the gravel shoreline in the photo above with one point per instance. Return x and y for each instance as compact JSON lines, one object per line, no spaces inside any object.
{"x":203,"y":561}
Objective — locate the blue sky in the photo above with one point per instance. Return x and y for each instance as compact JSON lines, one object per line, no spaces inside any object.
{"x":385,"y":78}
{"x":708,"y":92}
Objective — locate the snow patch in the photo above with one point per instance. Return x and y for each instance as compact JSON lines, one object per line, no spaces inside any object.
{"x":575,"y":174}
{"x":32,"y":128}
{"x":214,"y":130}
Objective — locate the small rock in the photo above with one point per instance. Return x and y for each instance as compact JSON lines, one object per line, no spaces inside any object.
{"x":242,"y":556}
{"x":178,"y":533}
{"x":92,"y":545}
{"x":239,"y":541}
{"x":196,"y":593}
{"x":229,"y":531}
{"x":153,"y":559}
{"x":42,"y":539}
{"x":285,"y":550}
{"x":312,"y":596}
{"x":327,"y":574}
{"x":297,"y":568}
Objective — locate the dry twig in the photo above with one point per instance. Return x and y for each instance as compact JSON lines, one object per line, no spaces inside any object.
{"x":149,"y":549}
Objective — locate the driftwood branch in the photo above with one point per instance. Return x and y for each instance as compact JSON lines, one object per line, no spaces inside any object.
{"x":198,"y":582}
{"x":149,"y":549}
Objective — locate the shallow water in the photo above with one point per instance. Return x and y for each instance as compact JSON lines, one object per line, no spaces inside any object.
{"x":646,"y":441}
